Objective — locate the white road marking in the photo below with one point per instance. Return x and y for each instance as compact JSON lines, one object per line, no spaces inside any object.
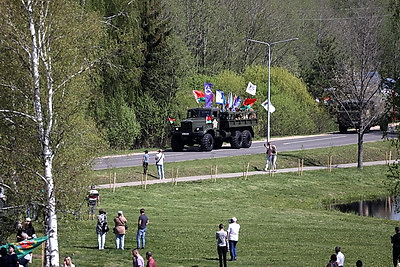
{"x":320,"y":139}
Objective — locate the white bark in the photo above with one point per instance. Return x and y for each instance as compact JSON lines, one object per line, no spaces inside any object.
{"x":44,"y":127}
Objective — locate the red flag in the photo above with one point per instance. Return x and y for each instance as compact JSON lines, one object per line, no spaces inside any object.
{"x":249,"y":101}
{"x":171,"y":120}
{"x":199,"y":95}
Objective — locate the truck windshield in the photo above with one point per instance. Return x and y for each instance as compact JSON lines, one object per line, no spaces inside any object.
{"x":193,"y":113}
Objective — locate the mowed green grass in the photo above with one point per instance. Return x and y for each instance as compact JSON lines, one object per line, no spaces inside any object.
{"x":283,"y":221}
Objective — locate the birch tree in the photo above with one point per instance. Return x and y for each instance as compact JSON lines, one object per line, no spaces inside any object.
{"x":45,"y":53}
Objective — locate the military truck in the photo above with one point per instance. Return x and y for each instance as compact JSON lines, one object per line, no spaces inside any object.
{"x":211,"y":127}
{"x":349,"y":116}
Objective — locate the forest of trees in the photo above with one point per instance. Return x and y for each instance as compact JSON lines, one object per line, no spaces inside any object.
{"x":80,"y":75}
{"x":159,"y":51}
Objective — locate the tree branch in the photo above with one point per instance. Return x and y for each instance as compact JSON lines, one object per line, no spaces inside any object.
{"x":21,"y":114}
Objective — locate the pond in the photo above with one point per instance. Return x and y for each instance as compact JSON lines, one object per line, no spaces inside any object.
{"x":385,"y":208}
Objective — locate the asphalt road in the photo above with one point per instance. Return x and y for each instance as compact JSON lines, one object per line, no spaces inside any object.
{"x":283,"y":144}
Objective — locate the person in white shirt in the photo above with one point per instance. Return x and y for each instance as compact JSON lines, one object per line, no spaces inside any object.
{"x":340,"y":257}
{"x":160,"y":157}
{"x":233,"y":237}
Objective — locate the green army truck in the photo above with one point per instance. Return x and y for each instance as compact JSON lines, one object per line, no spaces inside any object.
{"x":211,"y":127}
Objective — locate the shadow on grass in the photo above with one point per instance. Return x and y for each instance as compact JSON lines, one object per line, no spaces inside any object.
{"x":307,"y":160}
{"x":210,"y":259}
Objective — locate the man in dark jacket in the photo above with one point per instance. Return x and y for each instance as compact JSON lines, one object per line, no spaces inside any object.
{"x":396,"y":246}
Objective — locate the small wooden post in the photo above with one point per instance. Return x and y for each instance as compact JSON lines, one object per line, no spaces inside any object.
{"x":43,"y":248}
{"x":390,"y":156}
{"x":298,"y":167}
{"x":247,"y":170}
{"x":176,"y":177}
{"x":302,"y":165}
{"x":216,"y":173}
{"x":115,"y":180}
{"x":141,"y":180}
{"x":211,"y":174}
{"x":110,"y":179}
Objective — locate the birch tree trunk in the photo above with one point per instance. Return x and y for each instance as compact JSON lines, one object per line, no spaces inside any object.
{"x":44,"y":128}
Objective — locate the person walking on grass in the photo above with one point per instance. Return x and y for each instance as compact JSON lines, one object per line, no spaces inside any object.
{"x":150,"y":260}
{"x":143,"y":221}
{"x":396,"y":246}
{"x":333,"y":261}
{"x":138,"y":260}
{"x":222,"y":245}
{"x":233,"y":237}
{"x":93,"y":201}
{"x":101,"y":228}
{"x":339,"y":256}
{"x":160,"y":157}
{"x":120,"y":230}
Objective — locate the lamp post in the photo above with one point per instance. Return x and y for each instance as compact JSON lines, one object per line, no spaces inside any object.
{"x":269,"y":77}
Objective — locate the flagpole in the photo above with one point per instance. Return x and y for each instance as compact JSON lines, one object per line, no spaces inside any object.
{"x":269,"y":79}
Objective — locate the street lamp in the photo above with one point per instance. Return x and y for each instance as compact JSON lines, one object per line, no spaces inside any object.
{"x":269,"y":77}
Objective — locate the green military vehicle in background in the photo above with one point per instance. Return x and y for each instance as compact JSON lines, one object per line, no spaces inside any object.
{"x":211,"y":127}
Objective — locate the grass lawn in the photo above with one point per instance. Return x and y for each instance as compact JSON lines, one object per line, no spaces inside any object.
{"x":283,"y":221}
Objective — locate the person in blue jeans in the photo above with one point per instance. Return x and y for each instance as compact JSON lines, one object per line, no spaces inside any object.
{"x":160,"y":157}
{"x":233,"y":237}
{"x":143,"y":221}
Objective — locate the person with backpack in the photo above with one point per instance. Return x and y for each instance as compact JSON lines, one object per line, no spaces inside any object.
{"x":102,"y":228}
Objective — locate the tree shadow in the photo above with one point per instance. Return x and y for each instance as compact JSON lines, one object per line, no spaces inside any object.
{"x":308,"y":161}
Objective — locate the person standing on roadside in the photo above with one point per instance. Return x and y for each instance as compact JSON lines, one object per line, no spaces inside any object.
{"x":271,"y":157}
{"x":222,"y":245}
{"x":150,"y":260}
{"x":396,"y":246}
{"x":145,"y":161}
{"x":120,"y":230}
{"x":143,"y":221}
{"x":233,"y":237}
{"x":160,"y":157}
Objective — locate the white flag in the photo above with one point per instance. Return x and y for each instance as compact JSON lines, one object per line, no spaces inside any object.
{"x":268,"y":106}
{"x":251,"y":88}
{"x":219,"y":99}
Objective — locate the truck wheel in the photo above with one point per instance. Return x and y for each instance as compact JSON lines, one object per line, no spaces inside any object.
{"x":176,"y":143}
{"x":218,"y":143}
{"x":207,"y":142}
{"x":342,"y":129}
{"x":246,"y":137}
{"x":236,"y":139}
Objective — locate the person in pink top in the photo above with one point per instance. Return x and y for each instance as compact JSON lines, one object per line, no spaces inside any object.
{"x":150,"y":260}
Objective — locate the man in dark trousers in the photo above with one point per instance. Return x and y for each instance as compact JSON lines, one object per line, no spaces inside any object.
{"x":396,"y":246}
{"x":143,"y":221}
